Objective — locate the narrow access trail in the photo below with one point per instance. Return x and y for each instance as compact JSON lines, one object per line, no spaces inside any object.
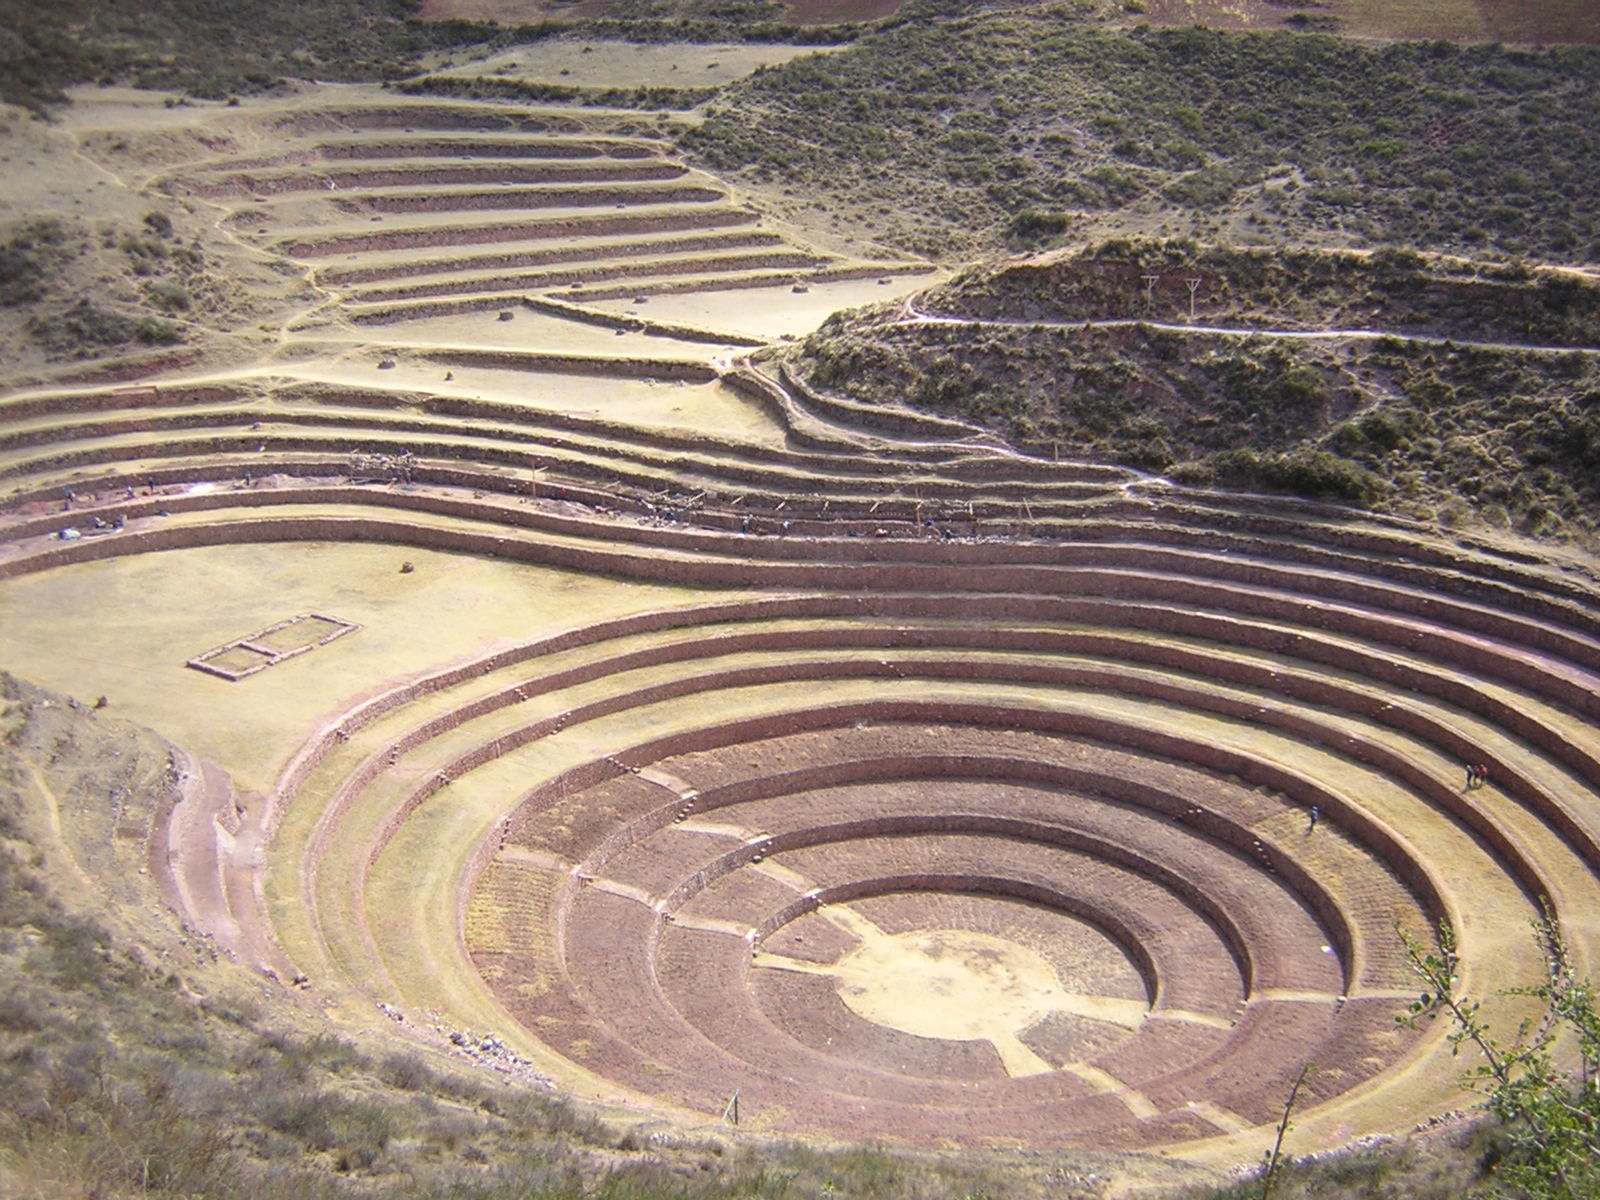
{"x":919,"y":317}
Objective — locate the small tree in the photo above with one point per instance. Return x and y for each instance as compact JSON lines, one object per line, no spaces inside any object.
{"x":1270,"y":1175}
{"x":1551,"y":1113}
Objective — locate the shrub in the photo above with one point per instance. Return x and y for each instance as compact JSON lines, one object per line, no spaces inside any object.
{"x":1383,"y":429}
{"x":1551,"y":1116}
{"x":1031,"y":225}
{"x":28,"y":256}
{"x":153,"y":331}
{"x":169,"y":296}
{"x":1316,"y":474}
{"x":1301,"y":385}
{"x":73,"y":955}
{"x":1208,"y":188}
{"x":406,"y":1072}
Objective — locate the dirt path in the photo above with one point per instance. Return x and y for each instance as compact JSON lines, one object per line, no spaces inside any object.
{"x":916,"y":316}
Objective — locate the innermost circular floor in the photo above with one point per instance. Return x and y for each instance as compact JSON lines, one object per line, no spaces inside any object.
{"x":966,"y":985}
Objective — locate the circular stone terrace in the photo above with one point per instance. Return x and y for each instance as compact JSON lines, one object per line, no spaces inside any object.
{"x":549,"y":669}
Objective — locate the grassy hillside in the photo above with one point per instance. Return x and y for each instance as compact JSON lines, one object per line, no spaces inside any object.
{"x":215,"y":48}
{"x":1399,"y":291}
{"x":1456,"y":428}
{"x":962,"y":136}
{"x":209,"y":47}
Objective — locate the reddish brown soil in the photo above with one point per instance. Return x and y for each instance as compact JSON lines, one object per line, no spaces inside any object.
{"x":808,"y":1056}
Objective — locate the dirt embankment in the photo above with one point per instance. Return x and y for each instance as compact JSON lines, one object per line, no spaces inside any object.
{"x":1433,"y":387}
{"x":95,"y":268}
{"x":1391,"y":291}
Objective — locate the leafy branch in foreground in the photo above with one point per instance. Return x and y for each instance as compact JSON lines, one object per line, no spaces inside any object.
{"x":1270,"y":1175}
{"x":1551,"y":1113}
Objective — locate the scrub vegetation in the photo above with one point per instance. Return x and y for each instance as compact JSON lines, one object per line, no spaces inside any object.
{"x":213,"y":49}
{"x":85,"y":289}
{"x":1454,"y":414}
{"x":210,"y":48}
{"x":1005,"y":130}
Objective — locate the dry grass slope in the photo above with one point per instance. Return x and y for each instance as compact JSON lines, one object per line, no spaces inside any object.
{"x":1441,"y":389}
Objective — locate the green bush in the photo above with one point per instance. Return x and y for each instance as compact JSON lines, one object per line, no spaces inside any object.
{"x":153,"y":331}
{"x":28,"y":256}
{"x":1316,"y":474}
{"x":82,"y":330}
{"x":169,"y":296}
{"x":1550,"y":1113}
{"x":1032,"y":226}
{"x":407,"y":1072}
{"x":1209,"y":188}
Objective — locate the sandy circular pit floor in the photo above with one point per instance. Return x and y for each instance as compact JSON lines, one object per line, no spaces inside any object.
{"x":962,"y":985}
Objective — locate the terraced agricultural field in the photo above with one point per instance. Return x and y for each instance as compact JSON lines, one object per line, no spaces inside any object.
{"x":578,"y":675}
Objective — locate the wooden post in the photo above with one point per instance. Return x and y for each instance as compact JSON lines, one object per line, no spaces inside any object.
{"x":1150,"y":282}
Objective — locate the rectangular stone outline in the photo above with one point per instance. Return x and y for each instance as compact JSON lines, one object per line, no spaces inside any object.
{"x":268,"y":657}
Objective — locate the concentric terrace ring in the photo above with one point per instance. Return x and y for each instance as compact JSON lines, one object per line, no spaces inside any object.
{"x":923,"y":791}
